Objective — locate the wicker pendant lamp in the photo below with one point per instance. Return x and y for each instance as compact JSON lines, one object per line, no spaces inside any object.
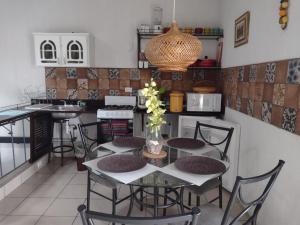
{"x":173,"y":51}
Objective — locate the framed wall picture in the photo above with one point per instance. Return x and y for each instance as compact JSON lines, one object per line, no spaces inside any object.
{"x":241,"y":35}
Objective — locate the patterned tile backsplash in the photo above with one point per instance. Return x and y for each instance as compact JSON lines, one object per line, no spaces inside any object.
{"x":267,"y":91}
{"x":95,"y":83}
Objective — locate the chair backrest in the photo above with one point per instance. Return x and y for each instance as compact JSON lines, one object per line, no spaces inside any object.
{"x":87,"y":140}
{"x":250,"y":207}
{"x":88,"y":216}
{"x":226,"y":140}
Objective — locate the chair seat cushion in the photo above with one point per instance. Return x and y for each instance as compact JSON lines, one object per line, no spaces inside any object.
{"x":212,"y":215}
{"x":209,"y":185}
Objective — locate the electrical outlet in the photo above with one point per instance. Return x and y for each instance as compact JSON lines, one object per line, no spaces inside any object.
{"x":128,"y":89}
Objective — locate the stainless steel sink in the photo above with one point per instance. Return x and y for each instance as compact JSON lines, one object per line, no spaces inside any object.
{"x":65,"y":111}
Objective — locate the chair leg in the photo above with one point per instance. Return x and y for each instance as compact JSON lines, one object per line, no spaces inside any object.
{"x":88,"y":192}
{"x":181,"y":200}
{"x":61,"y":144}
{"x":198,"y":201}
{"x":131,"y":200}
{"x":221,"y":195}
{"x":165,"y":201}
{"x":114,"y":200}
{"x":190,"y":199}
{"x":155,"y":197}
{"x":141,"y":199}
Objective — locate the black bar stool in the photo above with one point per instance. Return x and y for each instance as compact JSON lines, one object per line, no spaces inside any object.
{"x":61,"y":148}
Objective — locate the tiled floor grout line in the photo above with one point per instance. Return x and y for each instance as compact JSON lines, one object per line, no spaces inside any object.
{"x":55,"y":197}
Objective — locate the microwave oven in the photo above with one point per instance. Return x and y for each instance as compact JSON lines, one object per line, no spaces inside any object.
{"x":204,"y":102}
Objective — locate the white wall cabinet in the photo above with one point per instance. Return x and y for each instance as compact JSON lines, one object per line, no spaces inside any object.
{"x":63,"y":49}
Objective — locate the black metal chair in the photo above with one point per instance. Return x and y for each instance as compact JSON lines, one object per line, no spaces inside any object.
{"x":88,"y":217}
{"x":212,"y":215}
{"x":88,"y":142}
{"x":222,"y":155}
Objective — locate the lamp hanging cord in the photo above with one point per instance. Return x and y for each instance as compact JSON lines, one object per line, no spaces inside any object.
{"x":174,"y":9}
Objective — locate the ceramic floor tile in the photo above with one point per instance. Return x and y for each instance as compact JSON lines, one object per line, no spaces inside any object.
{"x":101,"y":205}
{"x":37,"y":179}
{"x":64,"y":207}
{"x":79,"y":178}
{"x":101,"y":189}
{"x":19,"y":220}
{"x":33,"y":207}
{"x":9,"y":204}
{"x":46,"y":220}
{"x":47,"y":190}
{"x":59,"y":179}
{"x":74,"y":191}
{"x":79,"y":222}
{"x":23,"y":190}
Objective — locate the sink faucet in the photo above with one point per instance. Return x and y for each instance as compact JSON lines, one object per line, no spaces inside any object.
{"x":65,"y":102}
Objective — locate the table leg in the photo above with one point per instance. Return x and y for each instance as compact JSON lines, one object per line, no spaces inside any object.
{"x":88,"y":191}
{"x":131,"y":200}
{"x":165,"y":201}
{"x":156,"y":197}
{"x":181,"y":200}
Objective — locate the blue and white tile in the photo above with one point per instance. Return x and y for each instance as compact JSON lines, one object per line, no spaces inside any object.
{"x":114,"y":92}
{"x":238,"y":103}
{"x":176,"y":76}
{"x":71,"y":73}
{"x":229,"y":76}
{"x":134,"y":74}
{"x":50,"y":72}
{"x":241,"y":71}
{"x":198,"y":75}
{"x":293,"y":76}
{"x":253,"y":73}
{"x":51,"y":93}
{"x":155,"y":74}
{"x":113,"y":74}
{"x":228,"y":101}
{"x":93,"y":94}
{"x":266,"y":112}
{"x":289,"y":119}
{"x":270,"y":72}
{"x":72,"y":94}
{"x":250,"y":107}
{"x":82,"y":84}
{"x":134,"y":92}
{"x":92,"y":73}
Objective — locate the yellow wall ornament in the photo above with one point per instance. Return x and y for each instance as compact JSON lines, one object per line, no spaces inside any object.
{"x":283,"y":14}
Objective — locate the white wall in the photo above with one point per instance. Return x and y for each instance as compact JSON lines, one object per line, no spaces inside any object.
{"x":113,"y":23}
{"x":267,"y":42}
{"x":262,"y":145}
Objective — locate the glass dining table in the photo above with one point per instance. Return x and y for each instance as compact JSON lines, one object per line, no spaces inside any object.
{"x":159,"y":179}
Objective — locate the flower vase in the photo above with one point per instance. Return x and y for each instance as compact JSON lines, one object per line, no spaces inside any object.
{"x":154,"y":140}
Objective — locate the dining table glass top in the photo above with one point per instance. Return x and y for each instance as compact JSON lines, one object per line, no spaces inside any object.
{"x":158,"y":177}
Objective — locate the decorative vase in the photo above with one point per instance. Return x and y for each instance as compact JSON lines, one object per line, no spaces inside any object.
{"x":154,"y":140}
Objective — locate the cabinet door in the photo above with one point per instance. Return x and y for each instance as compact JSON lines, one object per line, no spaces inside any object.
{"x":47,"y":50}
{"x":41,"y":132}
{"x":75,"y":50}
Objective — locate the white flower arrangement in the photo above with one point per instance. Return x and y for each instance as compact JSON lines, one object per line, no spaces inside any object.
{"x":154,"y":106}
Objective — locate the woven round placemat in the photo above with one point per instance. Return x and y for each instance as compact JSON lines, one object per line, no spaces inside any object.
{"x":186,"y":143}
{"x":149,"y":155}
{"x":200,"y":165}
{"x":129,"y":142}
{"x":121,"y":163}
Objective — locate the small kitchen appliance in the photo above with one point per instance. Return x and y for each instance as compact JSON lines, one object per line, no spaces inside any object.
{"x":117,"y":107}
{"x":204,"y":102}
{"x":141,"y":100}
